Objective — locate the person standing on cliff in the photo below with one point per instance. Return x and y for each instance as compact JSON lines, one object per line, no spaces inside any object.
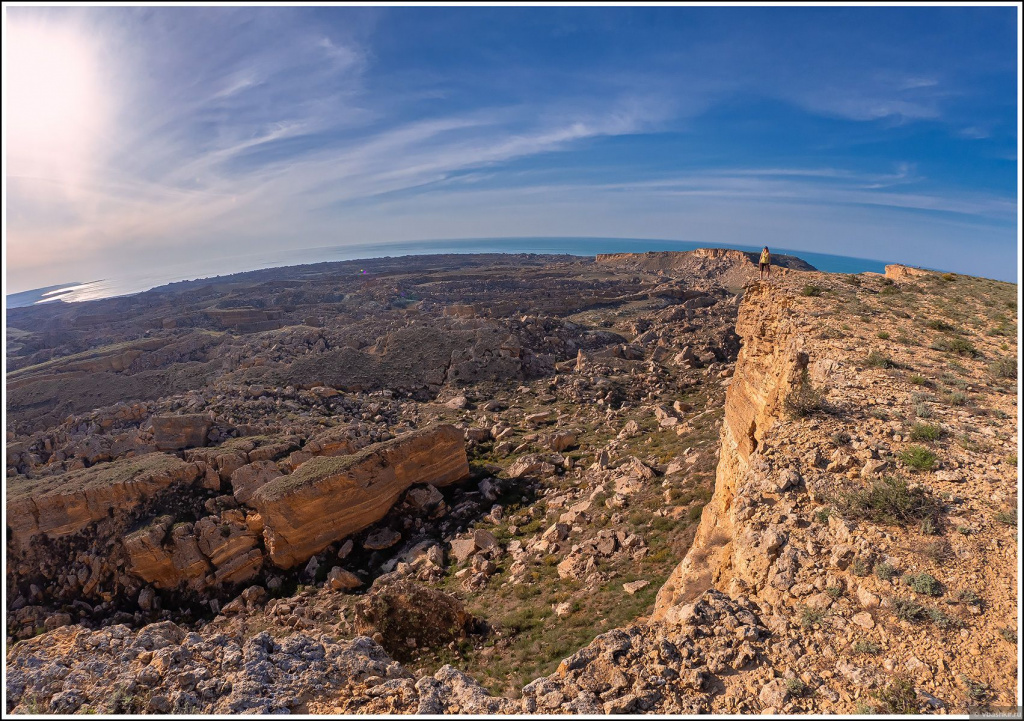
{"x":766,"y":264}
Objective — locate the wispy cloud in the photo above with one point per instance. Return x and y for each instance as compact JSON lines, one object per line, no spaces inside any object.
{"x":237,"y":128}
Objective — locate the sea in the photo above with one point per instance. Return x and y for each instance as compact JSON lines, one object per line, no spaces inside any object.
{"x":129,"y":283}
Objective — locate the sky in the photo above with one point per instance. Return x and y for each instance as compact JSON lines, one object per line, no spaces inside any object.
{"x":136,"y":137}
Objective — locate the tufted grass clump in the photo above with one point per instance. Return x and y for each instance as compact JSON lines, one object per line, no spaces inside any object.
{"x":925,"y":432}
{"x":809,"y":617}
{"x":918,"y":457}
{"x":811,"y":291}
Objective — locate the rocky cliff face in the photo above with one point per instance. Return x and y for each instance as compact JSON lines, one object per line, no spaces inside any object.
{"x":770,"y":362}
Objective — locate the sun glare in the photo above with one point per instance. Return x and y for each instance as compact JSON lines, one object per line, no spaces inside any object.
{"x":53,"y":106}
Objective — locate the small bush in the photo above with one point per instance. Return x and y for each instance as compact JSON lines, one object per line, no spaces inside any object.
{"x":898,"y":697}
{"x":883,"y":335}
{"x":860,"y":566}
{"x":956,"y":398}
{"x":977,"y":691}
{"x":804,"y":399}
{"x":918,"y":380}
{"x":852,"y":280}
{"x":811,"y":616}
{"x":909,"y":610}
{"x":919,"y":458}
{"x":879,"y":360}
{"x":811,"y":291}
{"x":969,"y":598}
{"x":886,"y":571}
{"x":938,"y":324}
{"x":1008,"y":634}
{"x":796,"y":687}
{"x":925,"y":432}
{"x":928,"y":527}
{"x":948,"y":277}
{"x":1004,"y":368}
{"x":889,"y":500}
{"x":868,"y":647}
{"x":1008,"y":517}
{"x":923,"y":583}
{"x":941,"y":620}
{"x":960,"y":346}
{"x":922,"y":410}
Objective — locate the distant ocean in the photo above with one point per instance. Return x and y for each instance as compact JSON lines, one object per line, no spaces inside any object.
{"x":138,"y":282}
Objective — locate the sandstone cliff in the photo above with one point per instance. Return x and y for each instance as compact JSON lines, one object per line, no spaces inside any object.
{"x":327,"y":499}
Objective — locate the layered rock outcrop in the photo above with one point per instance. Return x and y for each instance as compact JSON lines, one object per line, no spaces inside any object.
{"x":64,"y":504}
{"x":326,"y":499}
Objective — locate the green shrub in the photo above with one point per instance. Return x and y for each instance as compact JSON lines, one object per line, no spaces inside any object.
{"x":938,"y":324}
{"x":811,"y":291}
{"x":956,"y":398}
{"x":886,"y":571}
{"x":1008,"y":517}
{"x":811,"y":616}
{"x":804,"y":399}
{"x":918,"y":457}
{"x":796,"y":687}
{"x":907,"y":610}
{"x":898,"y":697}
{"x":960,"y":346}
{"x":923,"y":583}
{"x":1004,"y":368}
{"x":1008,"y":634}
{"x":852,"y":280}
{"x":868,"y":647}
{"x":883,"y":335}
{"x":918,"y":380}
{"x":879,"y":360}
{"x":889,"y":500}
{"x":925,"y":432}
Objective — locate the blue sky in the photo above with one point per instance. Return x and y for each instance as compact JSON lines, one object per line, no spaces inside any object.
{"x":147,"y":134}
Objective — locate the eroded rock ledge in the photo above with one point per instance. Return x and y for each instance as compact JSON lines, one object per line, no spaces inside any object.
{"x":326,"y":499}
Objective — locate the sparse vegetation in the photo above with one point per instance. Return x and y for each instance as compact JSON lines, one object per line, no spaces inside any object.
{"x":866,"y":647}
{"x":889,"y":500}
{"x":918,"y":457}
{"x":923,"y":583}
{"x":1004,"y":368}
{"x":883,"y":335}
{"x":898,"y":697}
{"x":805,"y":399}
{"x":810,"y":617}
{"x":811,"y":291}
{"x":925,"y":432}
{"x":879,"y":360}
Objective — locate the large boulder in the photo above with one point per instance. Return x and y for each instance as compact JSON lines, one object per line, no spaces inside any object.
{"x":328,"y":498}
{"x":173,"y":433}
{"x":66,"y":503}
